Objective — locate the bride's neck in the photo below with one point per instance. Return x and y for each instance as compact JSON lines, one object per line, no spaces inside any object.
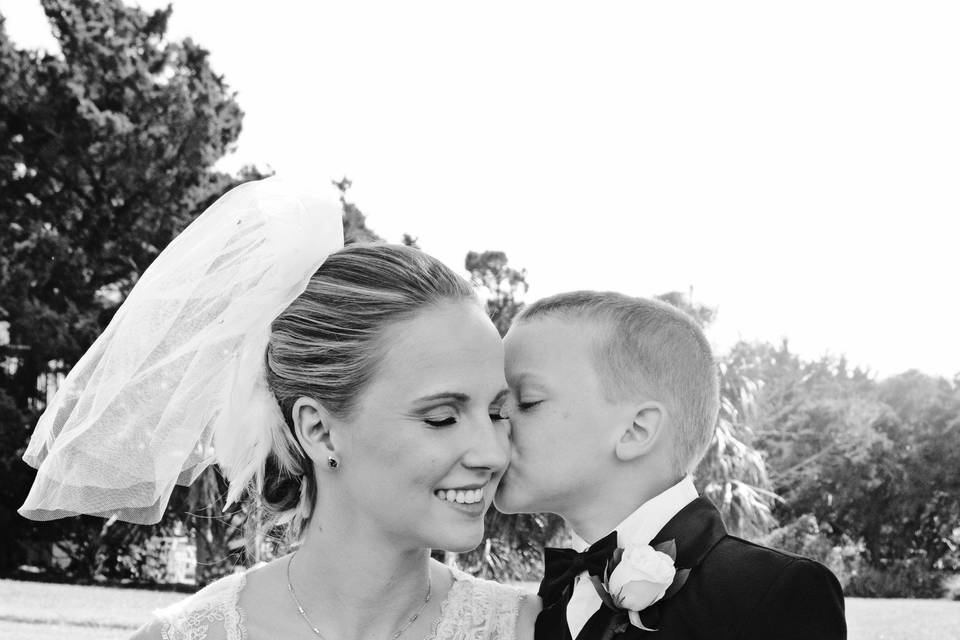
{"x":359,"y":582}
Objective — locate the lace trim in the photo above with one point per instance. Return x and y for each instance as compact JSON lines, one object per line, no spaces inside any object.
{"x":477,"y":609}
{"x":474,"y":609}
{"x":192,"y":618}
{"x":457,"y":581}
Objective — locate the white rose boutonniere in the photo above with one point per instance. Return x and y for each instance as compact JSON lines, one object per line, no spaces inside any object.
{"x":642,"y":577}
{"x":637,"y":577}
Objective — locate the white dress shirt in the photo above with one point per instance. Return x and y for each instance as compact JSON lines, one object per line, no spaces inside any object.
{"x":639,"y":527}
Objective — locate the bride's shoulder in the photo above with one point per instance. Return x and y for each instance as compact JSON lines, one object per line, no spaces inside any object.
{"x":511,"y":611}
{"x":209,"y":614}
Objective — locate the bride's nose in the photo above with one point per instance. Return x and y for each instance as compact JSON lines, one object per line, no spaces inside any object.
{"x":489,"y":448}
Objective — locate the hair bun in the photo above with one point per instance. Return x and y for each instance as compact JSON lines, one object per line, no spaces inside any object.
{"x":281,"y":488}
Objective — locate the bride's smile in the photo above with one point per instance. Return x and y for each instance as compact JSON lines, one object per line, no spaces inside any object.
{"x":468,"y":501}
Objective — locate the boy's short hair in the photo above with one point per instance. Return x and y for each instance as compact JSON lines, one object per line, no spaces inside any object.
{"x":653,"y":349}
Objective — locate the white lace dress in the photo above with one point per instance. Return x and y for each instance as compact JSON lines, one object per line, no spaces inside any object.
{"x":474,"y":609}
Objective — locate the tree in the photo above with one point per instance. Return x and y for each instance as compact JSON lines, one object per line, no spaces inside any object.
{"x":874,"y":463}
{"x":502,"y":285}
{"x":732,"y":473}
{"x":107,"y":149}
{"x":355,"y":229}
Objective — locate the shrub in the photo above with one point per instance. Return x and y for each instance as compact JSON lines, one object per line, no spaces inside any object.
{"x":951,"y":587}
{"x":907,"y":578}
{"x":807,"y":537}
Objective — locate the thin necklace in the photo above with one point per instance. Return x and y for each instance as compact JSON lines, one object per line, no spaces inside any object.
{"x":316,"y":631}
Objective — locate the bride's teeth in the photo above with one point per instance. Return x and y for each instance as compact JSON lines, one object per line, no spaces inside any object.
{"x":460,"y":497}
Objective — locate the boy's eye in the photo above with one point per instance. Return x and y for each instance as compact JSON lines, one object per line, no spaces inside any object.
{"x":526,"y":406}
{"x":441,"y":422}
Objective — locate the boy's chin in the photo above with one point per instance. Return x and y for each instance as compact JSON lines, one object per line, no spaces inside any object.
{"x":510,"y":500}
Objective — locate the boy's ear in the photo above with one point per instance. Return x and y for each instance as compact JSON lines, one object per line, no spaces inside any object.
{"x":311,"y":424}
{"x":643,"y":433}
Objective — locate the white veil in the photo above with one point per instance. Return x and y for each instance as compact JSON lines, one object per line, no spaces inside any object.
{"x":177,"y":379}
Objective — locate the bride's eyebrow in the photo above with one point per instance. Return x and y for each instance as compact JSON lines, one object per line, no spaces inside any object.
{"x":458,"y":398}
{"x":454,"y":396}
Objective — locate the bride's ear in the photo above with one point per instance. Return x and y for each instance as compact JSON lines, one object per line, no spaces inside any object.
{"x":643,"y":433}
{"x":311,"y":424}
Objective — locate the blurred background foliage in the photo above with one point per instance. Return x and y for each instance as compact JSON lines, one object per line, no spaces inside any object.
{"x":108,"y":149}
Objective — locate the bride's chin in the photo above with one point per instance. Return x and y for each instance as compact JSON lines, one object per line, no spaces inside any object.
{"x":460,"y":541}
{"x":465,"y":547}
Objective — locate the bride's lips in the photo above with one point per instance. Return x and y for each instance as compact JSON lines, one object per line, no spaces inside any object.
{"x":468,"y":499}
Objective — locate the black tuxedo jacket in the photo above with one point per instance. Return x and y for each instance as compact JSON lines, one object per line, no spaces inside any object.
{"x":736,"y":590}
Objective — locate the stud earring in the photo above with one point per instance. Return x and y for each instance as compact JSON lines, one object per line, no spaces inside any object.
{"x":332,"y":462}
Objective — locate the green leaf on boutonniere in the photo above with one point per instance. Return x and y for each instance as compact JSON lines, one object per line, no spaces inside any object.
{"x":602,"y":592}
{"x":678,"y":580}
{"x":669,"y":547}
{"x":612,"y":563}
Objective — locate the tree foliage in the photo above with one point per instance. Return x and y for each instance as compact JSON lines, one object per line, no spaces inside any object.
{"x":355,"y":229}
{"x":877,"y":463}
{"x":501,"y":285}
{"x":107,"y":150}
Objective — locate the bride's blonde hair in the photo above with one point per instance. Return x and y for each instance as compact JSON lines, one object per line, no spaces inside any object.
{"x":326,"y":346}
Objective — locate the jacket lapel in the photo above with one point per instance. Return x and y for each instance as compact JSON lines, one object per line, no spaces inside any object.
{"x":596,"y":624}
{"x":696,"y":530}
{"x":552,"y":621}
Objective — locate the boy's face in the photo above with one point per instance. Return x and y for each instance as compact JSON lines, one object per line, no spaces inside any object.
{"x":563,"y":429}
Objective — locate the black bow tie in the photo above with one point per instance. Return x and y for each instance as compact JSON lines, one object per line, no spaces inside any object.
{"x":562,"y":566}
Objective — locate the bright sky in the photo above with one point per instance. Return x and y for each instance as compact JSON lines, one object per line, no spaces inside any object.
{"x":796,"y":164}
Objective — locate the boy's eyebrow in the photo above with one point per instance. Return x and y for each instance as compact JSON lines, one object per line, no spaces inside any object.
{"x":519,"y":378}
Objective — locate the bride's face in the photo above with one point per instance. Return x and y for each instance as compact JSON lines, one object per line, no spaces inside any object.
{"x":424,"y":450}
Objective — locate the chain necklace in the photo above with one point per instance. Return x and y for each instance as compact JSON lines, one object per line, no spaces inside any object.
{"x":316,"y":631}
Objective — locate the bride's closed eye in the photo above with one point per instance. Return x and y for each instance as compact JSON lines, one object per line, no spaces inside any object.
{"x":496,"y":414}
{"x":444,"y":421}
{"x":440,"y":416}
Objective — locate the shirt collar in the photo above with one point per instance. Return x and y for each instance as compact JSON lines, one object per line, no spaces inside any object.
{"x":642,"y":525}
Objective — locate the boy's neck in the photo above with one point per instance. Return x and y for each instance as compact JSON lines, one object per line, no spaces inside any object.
{"x":596,"y":518}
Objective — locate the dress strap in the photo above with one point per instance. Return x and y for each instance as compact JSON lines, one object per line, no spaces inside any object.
{"x":210,"y":614}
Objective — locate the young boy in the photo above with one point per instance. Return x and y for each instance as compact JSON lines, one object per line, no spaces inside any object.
{"x":615,"y":401}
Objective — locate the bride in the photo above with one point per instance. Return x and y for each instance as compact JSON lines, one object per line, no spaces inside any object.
{"x":355,"y":394}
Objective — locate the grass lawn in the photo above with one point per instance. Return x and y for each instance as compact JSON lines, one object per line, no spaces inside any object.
{"x":42,"y":611}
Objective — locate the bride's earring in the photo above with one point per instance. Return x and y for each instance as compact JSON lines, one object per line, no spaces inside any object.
{"x":332,"y":462}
